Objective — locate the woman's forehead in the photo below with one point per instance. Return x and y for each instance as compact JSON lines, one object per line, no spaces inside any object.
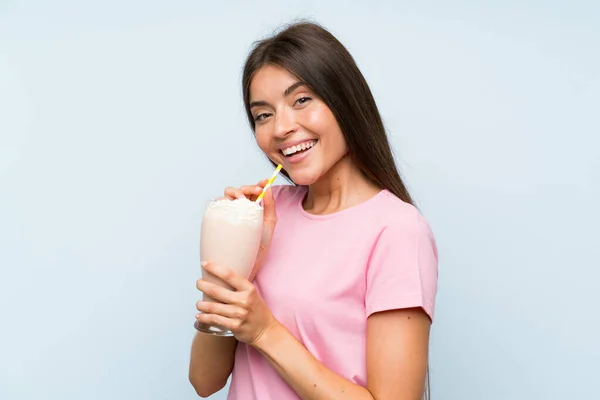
{"x":271,"y":81}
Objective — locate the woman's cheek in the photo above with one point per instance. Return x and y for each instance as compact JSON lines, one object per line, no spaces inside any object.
{"x":261,"y":140}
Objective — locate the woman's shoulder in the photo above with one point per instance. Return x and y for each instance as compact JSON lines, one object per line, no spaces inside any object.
{"x":396,"y":214}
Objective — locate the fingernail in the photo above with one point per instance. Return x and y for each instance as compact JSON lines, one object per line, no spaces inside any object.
{"x":204,"y":263}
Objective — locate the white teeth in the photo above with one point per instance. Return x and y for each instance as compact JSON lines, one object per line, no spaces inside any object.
{"x":294,"y":149}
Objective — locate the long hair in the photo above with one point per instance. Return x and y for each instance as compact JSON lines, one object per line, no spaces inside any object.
{"x":318,"y":59}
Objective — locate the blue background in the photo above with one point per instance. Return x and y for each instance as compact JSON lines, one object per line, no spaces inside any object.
{"x":119,"y":119}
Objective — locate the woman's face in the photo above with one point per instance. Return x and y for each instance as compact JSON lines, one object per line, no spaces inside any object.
{"x":293,"y":126}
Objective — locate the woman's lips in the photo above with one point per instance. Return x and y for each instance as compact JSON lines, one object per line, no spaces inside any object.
{"x":299,"y":156}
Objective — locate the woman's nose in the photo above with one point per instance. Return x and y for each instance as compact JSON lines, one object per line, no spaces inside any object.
{"x":285,"y":123}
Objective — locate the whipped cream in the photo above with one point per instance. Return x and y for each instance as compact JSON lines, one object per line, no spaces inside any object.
{"x":234,"y":210}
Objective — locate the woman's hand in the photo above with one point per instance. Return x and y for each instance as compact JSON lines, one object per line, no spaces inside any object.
{"x":242,"y":311}
{"x":251,"y":192}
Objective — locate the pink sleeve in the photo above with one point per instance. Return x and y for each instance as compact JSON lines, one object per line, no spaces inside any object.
{"x":403,"y":268}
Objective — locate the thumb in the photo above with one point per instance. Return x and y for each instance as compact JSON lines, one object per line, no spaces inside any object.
{"x":270,"y":215}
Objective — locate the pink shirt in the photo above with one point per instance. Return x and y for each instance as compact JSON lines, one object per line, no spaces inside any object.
{"x":325,"y":274}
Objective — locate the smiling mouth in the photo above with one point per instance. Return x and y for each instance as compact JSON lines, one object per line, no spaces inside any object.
{"x":298,"y":149}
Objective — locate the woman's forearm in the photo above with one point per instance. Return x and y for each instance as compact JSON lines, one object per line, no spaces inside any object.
{"x":211,"y":362}
{"x":306,"y":375}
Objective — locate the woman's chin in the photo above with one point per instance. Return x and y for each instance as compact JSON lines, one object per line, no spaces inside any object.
{"x":303,"y":179}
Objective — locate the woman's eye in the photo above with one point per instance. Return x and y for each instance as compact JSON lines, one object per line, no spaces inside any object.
{"x":261,"y":117}
{"x":302,"y":100}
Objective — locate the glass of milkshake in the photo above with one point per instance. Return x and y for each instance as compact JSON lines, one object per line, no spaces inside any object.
{"x":230,"y":236}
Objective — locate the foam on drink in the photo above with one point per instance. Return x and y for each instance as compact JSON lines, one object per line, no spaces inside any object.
{"x":234,"y":211}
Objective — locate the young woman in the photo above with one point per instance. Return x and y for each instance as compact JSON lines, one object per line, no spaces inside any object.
{"x":342,"y":297}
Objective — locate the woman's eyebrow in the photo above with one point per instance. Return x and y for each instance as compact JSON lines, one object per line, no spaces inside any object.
{"x":287,"y":92}
{"x":295,"y":86}
{"x":259,"y":103}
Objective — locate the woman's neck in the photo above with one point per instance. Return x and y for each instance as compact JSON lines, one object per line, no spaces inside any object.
{"x":342,"y":187}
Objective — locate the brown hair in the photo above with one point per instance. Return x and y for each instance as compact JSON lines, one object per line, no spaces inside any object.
{"x":318,"y":59}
